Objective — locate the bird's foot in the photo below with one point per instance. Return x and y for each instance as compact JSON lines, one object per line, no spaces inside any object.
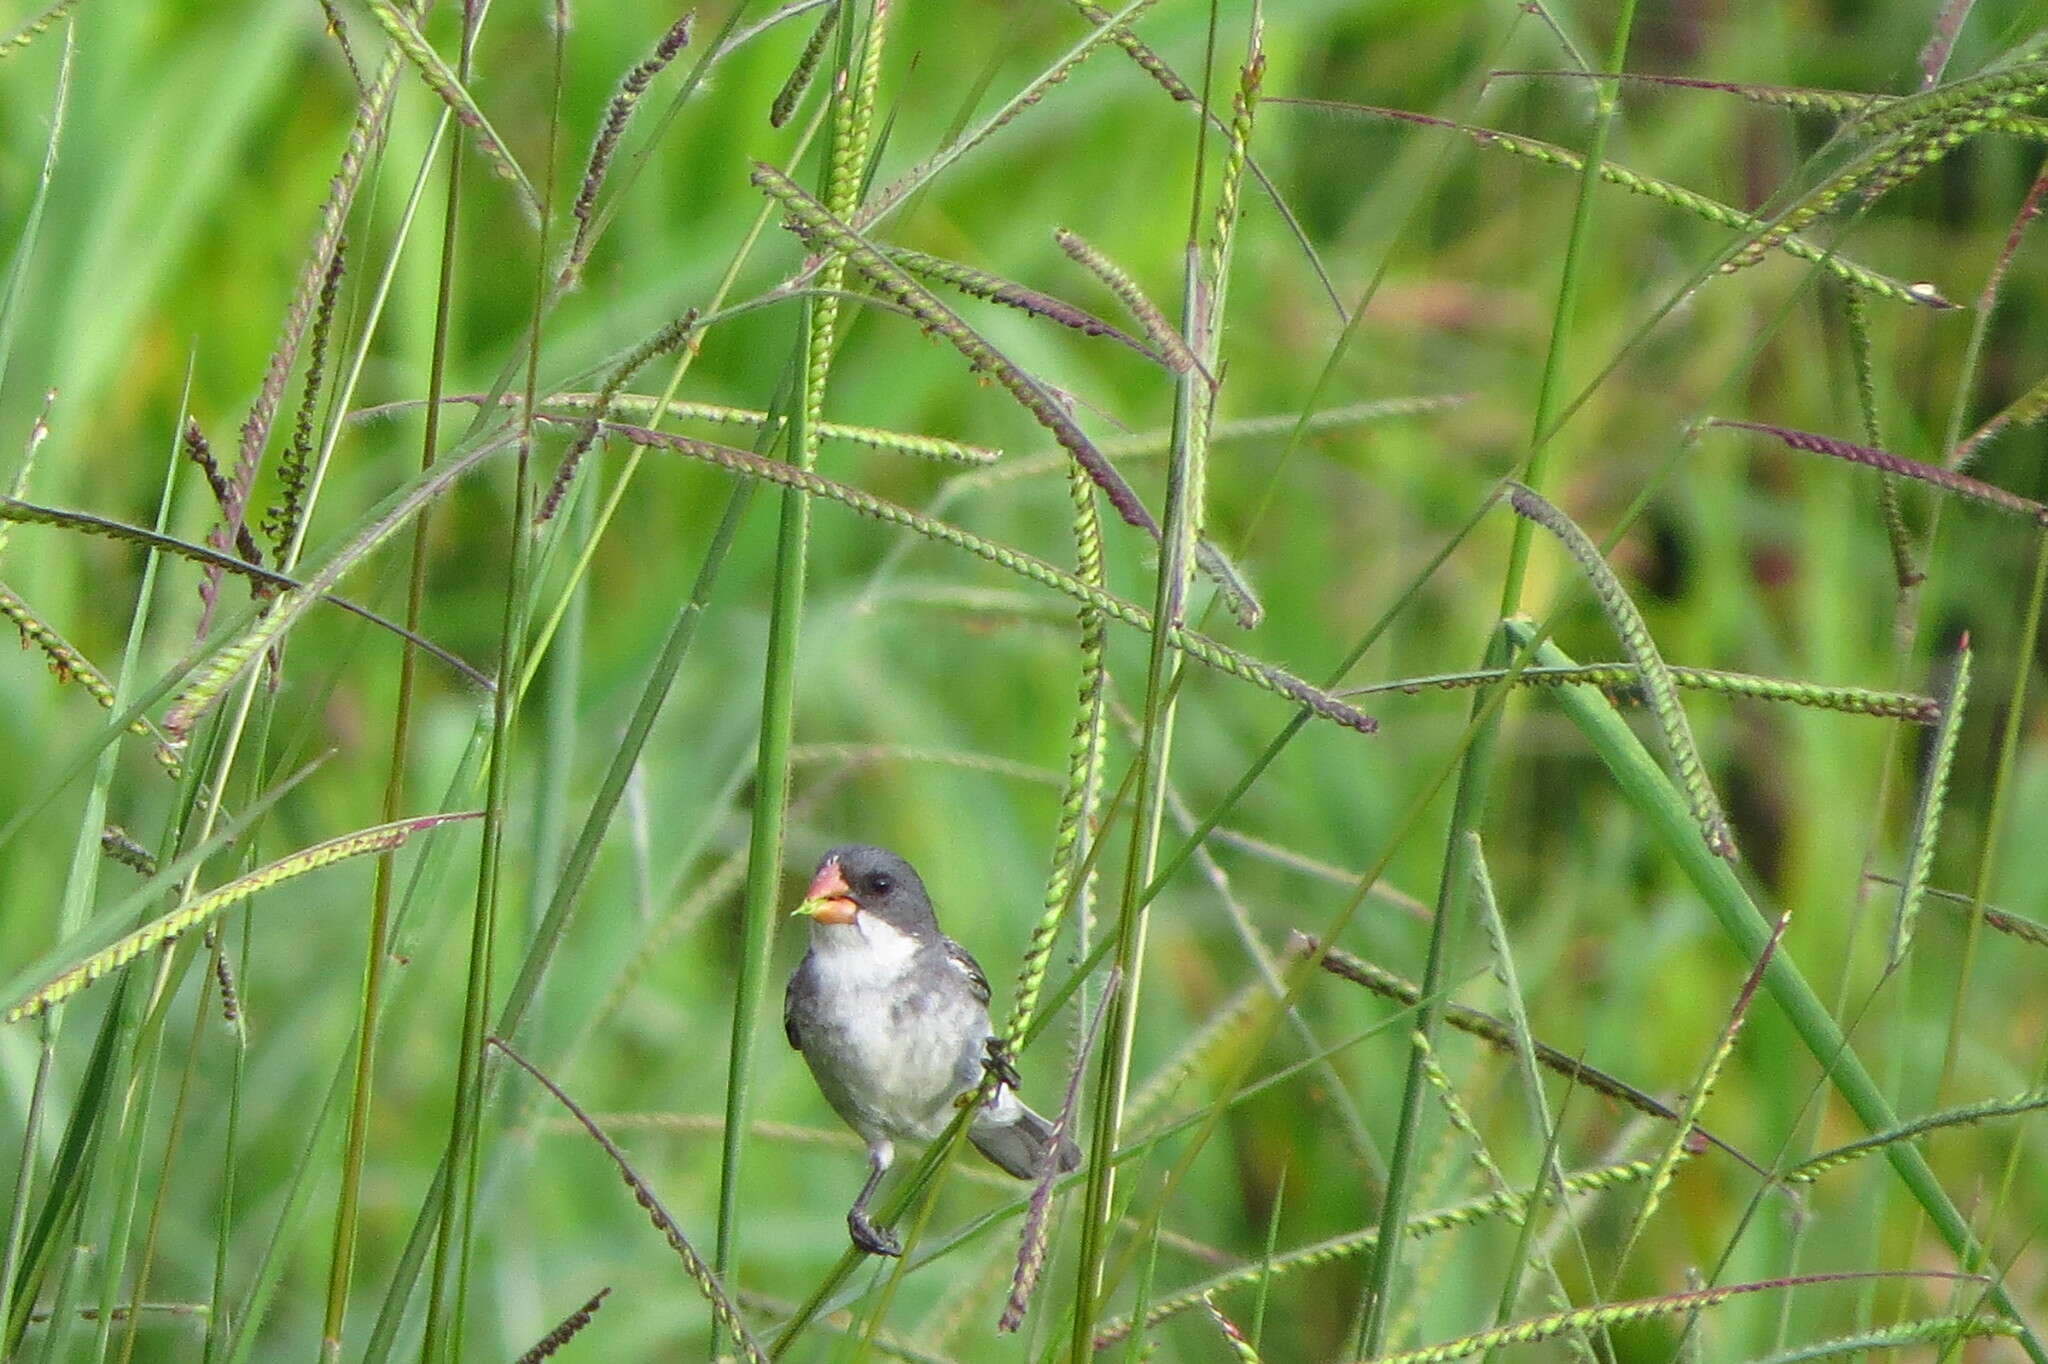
{"x":998,"y":1061}
{"x":870,"y":1237}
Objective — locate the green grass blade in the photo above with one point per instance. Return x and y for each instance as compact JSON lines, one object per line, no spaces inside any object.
{"x":1664,"y":811}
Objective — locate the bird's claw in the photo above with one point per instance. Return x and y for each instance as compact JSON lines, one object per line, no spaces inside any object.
{"x":998,"y":1061}
{"x":870,"y":1237}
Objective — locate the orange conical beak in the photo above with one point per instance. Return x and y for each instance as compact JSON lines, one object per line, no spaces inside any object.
{"x":829,"y":900}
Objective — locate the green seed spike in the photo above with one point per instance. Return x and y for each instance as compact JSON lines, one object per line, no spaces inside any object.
{"x":1626,"y":679}
{"x":1597,"y":1318}
{"x":193,"y":913}
{"x":1635,"y":637}
{"x":1085,"y":753}
{"x":1510,"y":1203}
{"x":442,"y":80}
{"x":35,"y":28}
{"x":1767,"y":236}
{"x":806,"y":67}
{"x":1925,"y":1331}
{"x":824,"y":230}
{"x":1200,"y":647}
{"x":1809,"y":1170}
{"x":1927,"y":818}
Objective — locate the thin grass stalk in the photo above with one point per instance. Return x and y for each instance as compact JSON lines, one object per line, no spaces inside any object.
{"x":451,"y":1246}
{"x":1550,"y":1172}
{"x":230,"y":1334}
{"x":60,"y":1207}
{"x":1642,"y":782}
{"x":1475,"y":775}
{"x":706,"y":1279}
{"x":660,"y":407}
{"x":850,"y":120}
{"x":1475,"y":772}
{"x":1184,"y":499}
{"x":140,"y":1018}
{"x":1697,"y":1096}
{"x":217,"y":1317}
{"x":1258,"y":1029}
{"x":554,"y":922}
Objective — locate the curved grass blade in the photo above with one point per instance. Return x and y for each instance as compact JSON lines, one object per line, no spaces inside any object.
{"x":817,"y":223}
{"x":1200,"y":647}
{"x":15,"y":511}
{"x":193,"y":913}
{"x":213,"y":676}
{"x":1642,"y":649}
{"x":693,"y":1264}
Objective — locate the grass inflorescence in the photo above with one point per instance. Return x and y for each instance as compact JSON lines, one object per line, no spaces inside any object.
{"x":535,"y":340}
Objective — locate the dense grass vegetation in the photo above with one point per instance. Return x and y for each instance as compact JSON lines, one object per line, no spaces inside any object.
{"x":1381,"y":324}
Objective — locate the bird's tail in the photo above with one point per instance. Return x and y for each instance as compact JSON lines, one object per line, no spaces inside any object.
{"x":1018,"y":1140}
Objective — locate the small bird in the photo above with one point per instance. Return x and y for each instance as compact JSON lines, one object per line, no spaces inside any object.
{"x":892,"y":1016}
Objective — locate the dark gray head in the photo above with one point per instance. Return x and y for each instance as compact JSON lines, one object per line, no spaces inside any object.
{"x":877,"y":882}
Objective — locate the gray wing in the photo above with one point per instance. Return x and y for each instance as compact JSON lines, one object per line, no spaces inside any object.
{"x":799,"y":988}
{"x":965,"y":963}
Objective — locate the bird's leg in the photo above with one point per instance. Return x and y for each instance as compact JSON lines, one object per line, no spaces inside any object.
{"x":866,"y":1234}
{"x":998,"y":1061}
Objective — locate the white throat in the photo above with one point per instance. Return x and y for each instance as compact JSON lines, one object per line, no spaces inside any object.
{"x":868,"y":951}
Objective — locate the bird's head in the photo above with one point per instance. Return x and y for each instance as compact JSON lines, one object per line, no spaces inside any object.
{"x":856,"y":882}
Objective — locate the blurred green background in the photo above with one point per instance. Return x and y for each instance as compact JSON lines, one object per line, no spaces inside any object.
{"x":196,"y":147}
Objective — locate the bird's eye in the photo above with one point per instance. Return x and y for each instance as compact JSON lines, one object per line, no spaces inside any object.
{"x":881,"y":883}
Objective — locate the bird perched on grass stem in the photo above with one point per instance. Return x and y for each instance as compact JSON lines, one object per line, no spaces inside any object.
{"x":892,"y":1016}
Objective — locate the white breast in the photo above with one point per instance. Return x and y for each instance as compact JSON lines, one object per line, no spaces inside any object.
{"x":896,"y":1052}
